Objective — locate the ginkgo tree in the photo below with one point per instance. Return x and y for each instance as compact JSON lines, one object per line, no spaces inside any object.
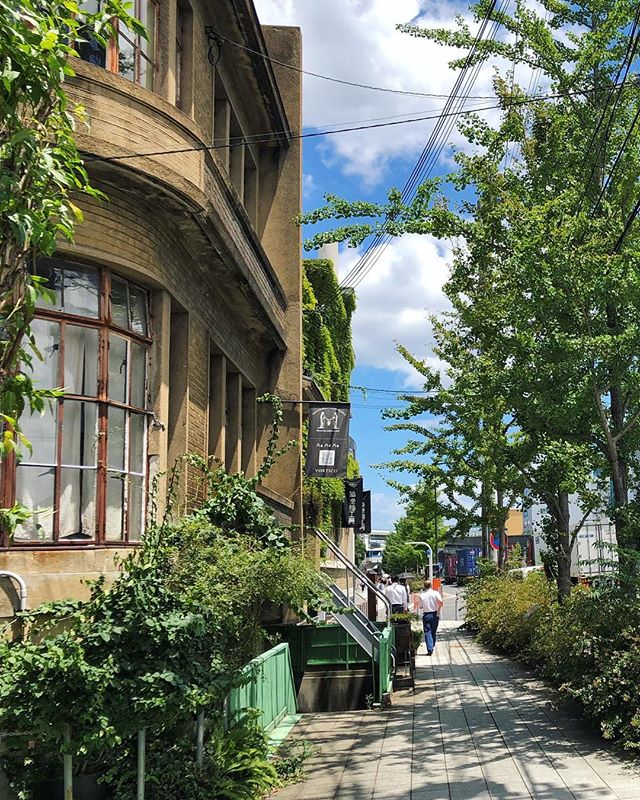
{"x":545,"y":278}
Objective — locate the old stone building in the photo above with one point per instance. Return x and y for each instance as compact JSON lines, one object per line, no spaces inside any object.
{"x":180,"y":301}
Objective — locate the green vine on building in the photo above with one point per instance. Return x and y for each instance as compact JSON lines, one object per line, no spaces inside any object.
{"x":328,"y":355}
{"x":328,"y":358}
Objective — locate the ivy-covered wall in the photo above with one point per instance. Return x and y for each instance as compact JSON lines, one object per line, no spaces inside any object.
{"x":328,"y":358}
{"x":328,"y":350}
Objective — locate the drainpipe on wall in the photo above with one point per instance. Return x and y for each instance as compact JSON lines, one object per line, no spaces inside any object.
{"x":21,"y":583}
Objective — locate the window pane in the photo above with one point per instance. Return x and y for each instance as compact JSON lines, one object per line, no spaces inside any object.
{"x":81,"y":291}
{"x":53,"y":276}
{"x":119,"y":304}
{"x":44,"y":372}
{"x":136,"y":507}
{"x":81,"y":360}
{"x":77,"y":504}
{"x":40,"y":430}
{"x":79,"y":433}
{"x":138,"y":310}
{"x":146,"y":73}
{"x":116,"y":438}
{"x":148,"y":45}
{"x":136,"y":442}
{"x":138,"y":374}
{"x":115,"y":506}
{"x":118,"y":368}
{"x":34,"y":489}
{"x":126,"y":55}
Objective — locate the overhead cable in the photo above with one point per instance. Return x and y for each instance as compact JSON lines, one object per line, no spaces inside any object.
{"x":275,"y":136}
{"x":434,"y":146}
{"x":342,"y":81}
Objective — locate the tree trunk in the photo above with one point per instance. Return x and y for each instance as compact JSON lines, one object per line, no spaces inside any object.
{"x":564,"y":546}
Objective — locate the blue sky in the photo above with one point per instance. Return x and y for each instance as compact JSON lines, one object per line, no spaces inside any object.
{"x":356,"y":40}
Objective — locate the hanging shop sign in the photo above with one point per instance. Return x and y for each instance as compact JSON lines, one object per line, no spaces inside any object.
{"x":365,"y":522}
{"x":328,"y":443}
{"x":352,"y":505}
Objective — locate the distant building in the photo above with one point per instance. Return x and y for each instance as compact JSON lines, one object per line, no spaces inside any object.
{"x":375,"y":543}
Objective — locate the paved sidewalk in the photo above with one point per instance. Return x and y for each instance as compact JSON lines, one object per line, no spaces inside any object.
{"x":478,"y":727}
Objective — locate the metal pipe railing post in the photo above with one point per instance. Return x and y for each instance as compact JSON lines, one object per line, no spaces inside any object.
{"x":142,"y":742}
{"x":67,"y":762}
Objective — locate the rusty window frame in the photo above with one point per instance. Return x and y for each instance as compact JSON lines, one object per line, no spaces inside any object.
{"x":136,"y":42}
{"x":112,"y":51}
{"x":104,"y":325}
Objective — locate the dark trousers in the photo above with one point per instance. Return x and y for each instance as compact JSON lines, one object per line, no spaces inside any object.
{"x":430,"y":626}
{"x":397,"y":608}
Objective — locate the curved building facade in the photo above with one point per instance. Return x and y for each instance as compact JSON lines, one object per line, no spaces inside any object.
{"x":179,"y":303}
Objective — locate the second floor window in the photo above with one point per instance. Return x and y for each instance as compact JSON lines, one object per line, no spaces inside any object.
{"x":136,"y":55}
{"x":129,"y":54}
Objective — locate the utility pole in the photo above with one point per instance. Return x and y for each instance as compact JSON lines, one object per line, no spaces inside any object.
{"x":435,"y":515}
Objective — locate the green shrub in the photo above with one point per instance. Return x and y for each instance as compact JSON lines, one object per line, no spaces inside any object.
{"x":505,"y":611}
{"x":588,"y":647}
{"x":236,"y":766}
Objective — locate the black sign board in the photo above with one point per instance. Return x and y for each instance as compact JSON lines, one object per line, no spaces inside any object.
{"x":352,"y":506}
{"x":365,"y":522}
{"x":328,"y":443}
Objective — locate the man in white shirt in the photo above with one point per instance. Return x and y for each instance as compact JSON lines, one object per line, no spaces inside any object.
{"x":430,"y":603}
{"x":397,"y":595}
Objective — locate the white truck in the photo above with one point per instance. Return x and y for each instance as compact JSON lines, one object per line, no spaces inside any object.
{"x":592,"y":544}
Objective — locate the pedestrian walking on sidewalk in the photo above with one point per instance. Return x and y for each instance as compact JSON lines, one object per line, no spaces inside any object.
{"x":397,"y":595}
{"x":430,"y":603}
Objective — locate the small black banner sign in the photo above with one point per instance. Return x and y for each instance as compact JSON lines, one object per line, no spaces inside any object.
{"x":328,"y":443}
{"x":352,"y":506}
{"x":365,"y":522}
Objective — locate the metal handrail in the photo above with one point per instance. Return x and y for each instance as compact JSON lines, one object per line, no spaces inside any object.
{"x":351,"y":567}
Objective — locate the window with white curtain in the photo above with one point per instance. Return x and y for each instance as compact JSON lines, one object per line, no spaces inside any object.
{"x":84,"y":477}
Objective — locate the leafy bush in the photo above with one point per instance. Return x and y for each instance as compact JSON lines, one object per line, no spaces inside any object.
{"x":234,"y":577}
{"x":589,"y":647}
{"x":506,"y":611}
{"x":167,"y":639}
{"x":236,"y":766}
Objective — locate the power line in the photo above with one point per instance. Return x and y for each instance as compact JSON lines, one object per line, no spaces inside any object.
{"x":408,"y":392}
{"x":632,"y":46}
{"x":337,"y":80}
{"x":433,"y":147}
{"x":275,"y":136}
{"x":629,"y":222}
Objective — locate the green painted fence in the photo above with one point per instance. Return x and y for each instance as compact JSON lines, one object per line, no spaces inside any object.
{"x":270,"y":688}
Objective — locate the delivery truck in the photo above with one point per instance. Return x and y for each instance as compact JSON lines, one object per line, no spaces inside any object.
{"x":594,"y":546}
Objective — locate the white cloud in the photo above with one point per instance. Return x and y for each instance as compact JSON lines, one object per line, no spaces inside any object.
{"x":395,"y":301}
{"x":356,"y":40}
{"x":308,"y":184}
{"x":386,"y":509}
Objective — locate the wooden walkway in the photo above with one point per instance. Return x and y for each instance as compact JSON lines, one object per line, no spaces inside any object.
{"x":478,"y":727}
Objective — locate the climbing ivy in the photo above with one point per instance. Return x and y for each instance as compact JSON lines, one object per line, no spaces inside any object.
{"x":328,"y":349}
{"x":329,"y":359}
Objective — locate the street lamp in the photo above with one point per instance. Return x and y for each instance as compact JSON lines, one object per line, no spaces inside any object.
{"x":430,"y":553}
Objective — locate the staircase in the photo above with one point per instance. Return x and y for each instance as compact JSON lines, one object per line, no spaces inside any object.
{"x":376,"y":642}
{"x":361,"y":629}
